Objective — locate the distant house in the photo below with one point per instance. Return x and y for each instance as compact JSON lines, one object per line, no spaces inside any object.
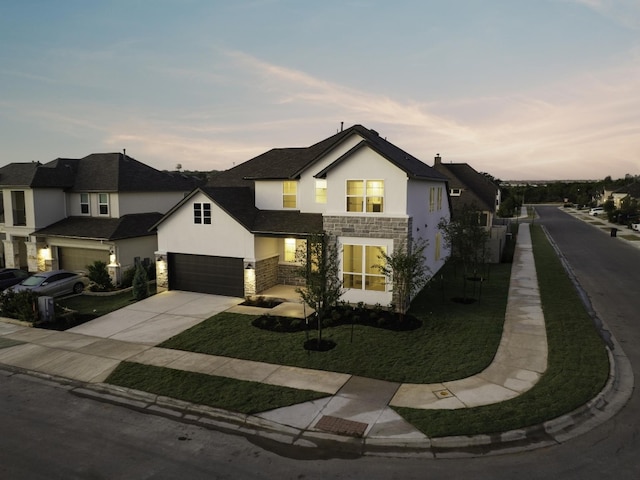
{"x":68,"y":213}
{"x":239,"y":235}
{"x":468,"y":187}
{"x":631,"y":191}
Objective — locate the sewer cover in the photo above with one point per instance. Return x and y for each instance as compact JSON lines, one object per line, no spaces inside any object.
{"x":443,"y":393}
{"x":341,"y":426}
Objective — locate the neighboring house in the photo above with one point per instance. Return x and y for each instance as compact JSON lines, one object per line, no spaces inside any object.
{"x":468,"y":187}
{"x":68,"y":213}
{"x":239,"y":235}
{"x":631,"y":191}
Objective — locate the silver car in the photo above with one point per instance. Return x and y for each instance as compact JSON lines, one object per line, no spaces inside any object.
{"x":54,"y":283}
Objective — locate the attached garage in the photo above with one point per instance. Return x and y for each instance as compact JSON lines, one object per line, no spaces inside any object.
{"x":74,"y":259}
{"x":206,"y":274}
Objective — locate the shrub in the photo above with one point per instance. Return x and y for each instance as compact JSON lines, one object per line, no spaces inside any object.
{"x":20,"y":305}
{"x":140,"y":283}
{"x":99,"y":275}
{"x":127,"y":277}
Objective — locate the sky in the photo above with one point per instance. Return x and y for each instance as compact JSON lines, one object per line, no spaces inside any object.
{"x":519,"y":89}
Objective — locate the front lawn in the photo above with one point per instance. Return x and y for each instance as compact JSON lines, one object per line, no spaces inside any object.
{"x":456,"y":340}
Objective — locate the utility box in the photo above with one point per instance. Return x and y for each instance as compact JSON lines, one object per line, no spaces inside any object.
{"x":46,"y":309}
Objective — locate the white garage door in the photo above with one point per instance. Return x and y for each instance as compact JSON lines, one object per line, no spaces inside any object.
{"x":75,"y":259}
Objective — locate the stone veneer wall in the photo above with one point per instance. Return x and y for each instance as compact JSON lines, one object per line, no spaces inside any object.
{"x":266,"y":273}
{"x":398,"y":229}
{"x":288,"y":275}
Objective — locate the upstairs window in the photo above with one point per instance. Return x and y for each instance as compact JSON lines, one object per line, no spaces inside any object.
{"x":365,"y":195}
{"x":19,"y":208}
{"x":321,"y":191}
{"x":455,"y":192}
{"x":84,"y":204}
{"x":103,"y":203}
{"x":289,"y":194}
{"x":202,"y":213}
{"x":1,"y":207}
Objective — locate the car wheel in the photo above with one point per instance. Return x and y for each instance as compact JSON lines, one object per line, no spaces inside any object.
{"x":78,"y":288}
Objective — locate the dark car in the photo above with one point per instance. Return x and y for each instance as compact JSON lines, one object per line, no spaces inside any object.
{"x":11,"y":276}
{"x":54,"y":284}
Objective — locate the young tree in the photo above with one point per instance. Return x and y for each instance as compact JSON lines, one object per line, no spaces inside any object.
{"x":320,"y":270}
{"x":406,"y":270}
{"x":467,"y":239}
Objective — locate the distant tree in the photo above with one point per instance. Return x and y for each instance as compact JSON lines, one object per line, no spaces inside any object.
{"x":320,"y":270}
{"x":406,"y":270}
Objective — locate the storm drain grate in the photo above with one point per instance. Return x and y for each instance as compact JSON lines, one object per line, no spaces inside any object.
{"x":341,"y":426}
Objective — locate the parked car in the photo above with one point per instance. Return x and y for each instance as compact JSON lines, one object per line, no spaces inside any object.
{"x":53,"y":284}
{"x":595,"y":211}
{"x":11,"y":276}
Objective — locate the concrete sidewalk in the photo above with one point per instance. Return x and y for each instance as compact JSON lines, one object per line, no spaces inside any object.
{"x":356,"y":410}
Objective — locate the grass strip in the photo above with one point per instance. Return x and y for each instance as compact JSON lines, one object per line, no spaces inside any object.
{"x":577,"y":371}
{"x":220,"y":392}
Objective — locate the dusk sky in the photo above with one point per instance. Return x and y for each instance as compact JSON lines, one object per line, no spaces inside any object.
{"x":520,"y":89}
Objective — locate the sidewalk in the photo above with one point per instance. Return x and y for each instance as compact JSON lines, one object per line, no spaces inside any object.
{"x":356,"y":412}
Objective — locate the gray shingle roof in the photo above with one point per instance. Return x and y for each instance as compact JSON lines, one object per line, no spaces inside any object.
{"x":98,"y":172}
{"x":478,"y":188}
{"x":95,"y":228}
{"x":289,"y":163}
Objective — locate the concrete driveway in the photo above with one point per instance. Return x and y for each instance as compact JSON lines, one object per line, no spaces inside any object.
{"x":157,"y":318}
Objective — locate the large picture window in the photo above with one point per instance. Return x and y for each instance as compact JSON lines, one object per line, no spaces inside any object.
{"x":365,"y":196}
{"x":359,"y":267}
{"x":289,"y":194}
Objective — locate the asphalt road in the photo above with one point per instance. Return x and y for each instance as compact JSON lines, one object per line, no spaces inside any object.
{"x":46,"y":432}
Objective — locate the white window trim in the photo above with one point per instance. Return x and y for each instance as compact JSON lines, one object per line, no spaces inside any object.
{"x":365,"y":242}
{"x":364,"y":196}
{"x":200,"y":210}
{"x":101,"y":204}
{"x":87,"y":203}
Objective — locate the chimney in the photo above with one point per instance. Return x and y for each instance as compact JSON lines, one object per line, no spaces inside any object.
{"x":437,"y":160}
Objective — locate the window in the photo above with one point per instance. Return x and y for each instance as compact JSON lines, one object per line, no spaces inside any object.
{"x":367,"y":194}
{"x":1,"y":207}
{"x":289,"y":194}
{"x":455,"y":192}
{"x":321,"y":191}
{"x":290,"y":250}
{"x":103,"y":203}
{"x":84,"y":204}
{"x":19,"y":208}
{"x":439,"y":198}
{"x":359,"y":269}
{"x":432,"y":201}
{"x":202,"y":213}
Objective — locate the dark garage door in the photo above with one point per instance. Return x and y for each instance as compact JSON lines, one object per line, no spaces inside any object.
{"x":206,"y":274}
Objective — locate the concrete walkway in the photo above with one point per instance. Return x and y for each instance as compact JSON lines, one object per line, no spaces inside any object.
{"x":354,"y":406}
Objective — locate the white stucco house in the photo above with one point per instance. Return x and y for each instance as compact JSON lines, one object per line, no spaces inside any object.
{"x":67,"y":213}
{"x":238,"y":235}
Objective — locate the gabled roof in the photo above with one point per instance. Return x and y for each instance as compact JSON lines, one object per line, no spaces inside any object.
{"x":95,"y":228}
{"x":477,"y":187}
{"x":98,"y":172}
{"x":239,"y":203}
{"x":631,"y":189}
{"x":289,"y":163}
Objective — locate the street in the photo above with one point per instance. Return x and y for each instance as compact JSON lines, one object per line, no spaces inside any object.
{"x":50,"y":433}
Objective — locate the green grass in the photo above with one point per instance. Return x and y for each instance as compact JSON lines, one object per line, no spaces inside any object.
{"x":455,"y":340}
{"x":578,"y":364}
{"x":228,"y":394}
{"x":93,"y":306}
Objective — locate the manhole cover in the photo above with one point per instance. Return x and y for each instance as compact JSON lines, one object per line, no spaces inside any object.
{"x":341,"y":426}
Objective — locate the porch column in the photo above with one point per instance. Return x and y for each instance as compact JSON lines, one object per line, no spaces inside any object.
{"x":11,"y":253}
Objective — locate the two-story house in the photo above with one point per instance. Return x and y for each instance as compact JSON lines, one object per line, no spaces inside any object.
{"x":68,"y":213}
{"x":239,"y":235}
{"x":468,"y":187}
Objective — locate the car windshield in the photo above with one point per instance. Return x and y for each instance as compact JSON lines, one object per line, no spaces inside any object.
{"x":33,"y":281}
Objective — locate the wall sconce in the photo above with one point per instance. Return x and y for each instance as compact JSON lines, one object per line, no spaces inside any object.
{"x":160,"y":258}
{"x":249,"y":266}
